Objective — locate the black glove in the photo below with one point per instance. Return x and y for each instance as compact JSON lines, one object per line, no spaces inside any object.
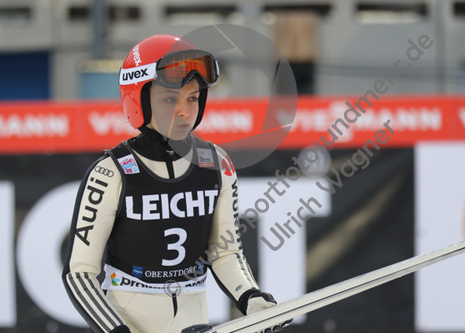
{"x":197,"y":328}
{"x":260,"y":301}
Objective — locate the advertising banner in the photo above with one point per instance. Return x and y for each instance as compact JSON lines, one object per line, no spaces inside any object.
{"x":66,"y":127}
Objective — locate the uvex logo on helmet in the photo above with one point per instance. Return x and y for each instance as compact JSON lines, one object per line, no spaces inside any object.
{"x":135,"y":52}
{"x":136,"y":74}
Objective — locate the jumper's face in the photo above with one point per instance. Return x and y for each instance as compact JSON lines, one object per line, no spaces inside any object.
{"x":174,"y":111}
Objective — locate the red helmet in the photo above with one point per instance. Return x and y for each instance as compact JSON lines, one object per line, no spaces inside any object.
{"x":171,"y":61}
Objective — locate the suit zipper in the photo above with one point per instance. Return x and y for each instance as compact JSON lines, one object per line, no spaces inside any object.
{"x":169,"y":164}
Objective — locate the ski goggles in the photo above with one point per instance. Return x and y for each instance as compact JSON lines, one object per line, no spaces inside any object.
{"x":175,"y":70}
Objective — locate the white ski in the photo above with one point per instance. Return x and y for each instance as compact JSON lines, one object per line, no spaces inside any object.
{"x":331,"y":294}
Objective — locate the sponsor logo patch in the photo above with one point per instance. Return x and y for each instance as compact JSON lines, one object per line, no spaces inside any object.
{"x":137,"y":271}
{"x":119,"y":280}
{"x":227,"y":166}
{"x":104,"y":171}
{"x":205,"y":158}
{"x":163,"y":206}
{"x":129,"y":164}
{"x":114,"y":280}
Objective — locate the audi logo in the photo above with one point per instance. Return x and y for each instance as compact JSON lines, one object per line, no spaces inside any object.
{"x":104,"y":171}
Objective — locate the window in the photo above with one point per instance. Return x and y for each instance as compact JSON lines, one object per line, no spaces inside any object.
{"x":199,"y":14}
{"x":116,"y":13}
{"x":323,"y":10}
{"x":15,"y":16}
{"x":391,"y":13}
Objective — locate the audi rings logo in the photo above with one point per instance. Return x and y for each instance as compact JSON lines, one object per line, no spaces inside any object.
{"x":172,"y":288}
{"x":104,"y":171}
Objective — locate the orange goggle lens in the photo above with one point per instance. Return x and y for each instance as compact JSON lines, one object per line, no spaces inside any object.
{"x":177,"y":69}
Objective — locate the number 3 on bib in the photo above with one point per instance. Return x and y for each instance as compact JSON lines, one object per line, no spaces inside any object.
{"x":176,"y":246}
